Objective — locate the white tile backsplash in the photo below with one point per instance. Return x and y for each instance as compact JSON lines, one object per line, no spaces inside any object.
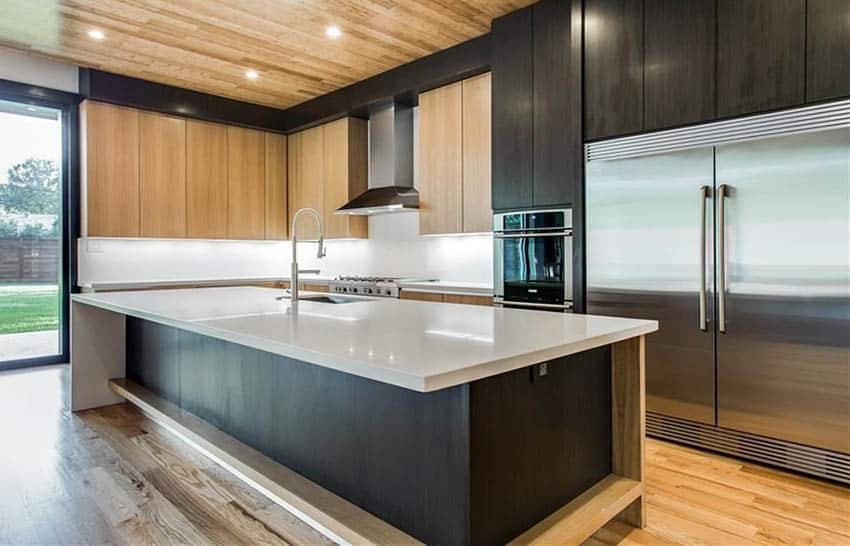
{"x":394,"y":247}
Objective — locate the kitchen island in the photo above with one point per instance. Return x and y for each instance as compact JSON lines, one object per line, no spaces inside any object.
{"x":455,"y":424}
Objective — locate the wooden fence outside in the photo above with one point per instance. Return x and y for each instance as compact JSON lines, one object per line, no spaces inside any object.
{"x":29,"y":259}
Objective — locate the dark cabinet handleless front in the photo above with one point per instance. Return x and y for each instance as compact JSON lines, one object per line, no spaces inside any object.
{"x":613,"y":67}
{"x":761,"y":55}
{"x":512,"y":81}
{"x":537,"y":106}
{"x":828,"y":50}
{"x":679,"y":59}
{"x":557,"y":141}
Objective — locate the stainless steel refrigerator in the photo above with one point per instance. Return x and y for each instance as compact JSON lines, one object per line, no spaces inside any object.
{"x":735,"y":235}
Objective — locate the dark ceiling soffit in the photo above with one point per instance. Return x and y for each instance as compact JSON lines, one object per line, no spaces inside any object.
{"x":39,"y":95}
{"x":402,"y":84}
{"x":167,"y":99}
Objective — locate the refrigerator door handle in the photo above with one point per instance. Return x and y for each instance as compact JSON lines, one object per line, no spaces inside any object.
{"x":703,"y":197}
{"x":722,"y":193}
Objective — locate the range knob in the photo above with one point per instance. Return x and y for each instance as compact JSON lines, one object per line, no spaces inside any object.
{"x":369,"y":291}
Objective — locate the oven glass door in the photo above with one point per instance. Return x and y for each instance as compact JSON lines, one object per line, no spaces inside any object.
{"x":535,"y":268}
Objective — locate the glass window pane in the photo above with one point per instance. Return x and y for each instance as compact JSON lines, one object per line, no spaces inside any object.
{"x":30,"y":230}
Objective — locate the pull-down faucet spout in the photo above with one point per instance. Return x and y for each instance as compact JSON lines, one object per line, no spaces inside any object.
{"x":320,"y":254}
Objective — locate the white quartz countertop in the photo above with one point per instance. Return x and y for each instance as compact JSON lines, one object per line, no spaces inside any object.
{"x":441,"y":287}
{"x":450,"y":287}
{"x":147,"y":284}
{"x":422,"y":346}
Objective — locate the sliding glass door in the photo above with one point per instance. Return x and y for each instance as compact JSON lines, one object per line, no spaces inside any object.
{"x":32,"y":227}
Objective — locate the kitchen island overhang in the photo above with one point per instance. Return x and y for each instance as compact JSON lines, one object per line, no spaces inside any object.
{"x":497,"y":447}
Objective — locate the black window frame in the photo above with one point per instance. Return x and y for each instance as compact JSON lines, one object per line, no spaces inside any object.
{"x":68,"y":104}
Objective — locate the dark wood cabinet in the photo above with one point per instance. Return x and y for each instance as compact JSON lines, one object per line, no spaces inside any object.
{"x":557,"y":142}
{"x":613,"y":67}
{"x":828,"y":50}
{"x":537,"y":101}
{"x":512,"y":74}
{"x":679,"y":62}
{"x":761,"y":50}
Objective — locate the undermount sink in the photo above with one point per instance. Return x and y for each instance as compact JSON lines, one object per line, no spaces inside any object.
{"x":324,"y":299}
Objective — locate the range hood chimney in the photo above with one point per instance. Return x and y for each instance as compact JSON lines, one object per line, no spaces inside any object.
{"x":390,"y":165}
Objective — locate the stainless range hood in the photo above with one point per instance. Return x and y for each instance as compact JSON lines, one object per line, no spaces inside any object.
{"x":390,"y":165}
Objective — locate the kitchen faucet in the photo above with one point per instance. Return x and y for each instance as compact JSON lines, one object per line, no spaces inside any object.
{"x":320,"y":254}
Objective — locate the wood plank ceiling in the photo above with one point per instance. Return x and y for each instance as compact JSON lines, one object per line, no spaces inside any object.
{"x":208,"y":45}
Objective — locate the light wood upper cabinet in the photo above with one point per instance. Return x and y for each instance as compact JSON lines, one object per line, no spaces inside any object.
{"x":145,"y":174}
{"x":277,"y":199}
{"x":162,"y":180}
{"x":246,"y":184}
{"x":454,"y":158}
{"x":306,"y":178}
{"x":109,"y":170}
{"x":327,"y":167}
{"x":345,"y":173}
{"x":477,"y":145}
{"x":441,"y":160}
{"x":206,"y":180}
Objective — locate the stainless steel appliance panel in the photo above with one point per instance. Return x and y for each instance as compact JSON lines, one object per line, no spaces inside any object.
{"x":783,"y":361}
{"x":650,"y":225}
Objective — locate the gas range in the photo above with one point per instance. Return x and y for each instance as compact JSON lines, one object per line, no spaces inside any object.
{"x":385,"y":287}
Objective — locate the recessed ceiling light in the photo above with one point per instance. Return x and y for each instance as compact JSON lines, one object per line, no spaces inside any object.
{"x":30,"y":108}
{"x":333,"y":31}
{"x":95,"y":34}
{"x":251,"y":74}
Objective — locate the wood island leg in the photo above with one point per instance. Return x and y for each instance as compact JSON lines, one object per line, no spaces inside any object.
{"x":628,"y":419}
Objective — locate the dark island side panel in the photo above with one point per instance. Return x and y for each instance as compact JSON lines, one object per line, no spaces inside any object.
{"x":473,"y":464}
{"x":537,"y":442}
{"x":399,"y":454}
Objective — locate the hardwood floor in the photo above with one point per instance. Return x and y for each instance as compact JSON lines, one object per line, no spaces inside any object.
{"x":694,"y":497}
{"x":113,"y":476}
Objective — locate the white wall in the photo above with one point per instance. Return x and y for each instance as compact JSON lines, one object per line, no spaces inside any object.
{"x":394,"y":247}
{"x":27,"y":68}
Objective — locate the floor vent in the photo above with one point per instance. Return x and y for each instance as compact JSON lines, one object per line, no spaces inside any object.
{"x":807,"y":460}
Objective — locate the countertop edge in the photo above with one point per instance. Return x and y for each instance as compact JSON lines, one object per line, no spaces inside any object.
{"x":437,"y":287}
{"x":496,"y":367}
{"x":417,"y":383}
{"x":354,"y":367}
{"x":449,"y":292}
{"x":236,"y":281}
{"x":446,"y":287}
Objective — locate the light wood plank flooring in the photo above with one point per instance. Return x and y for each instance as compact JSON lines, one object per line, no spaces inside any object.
{"x":694,"y":497}
{"x":113,"y":476}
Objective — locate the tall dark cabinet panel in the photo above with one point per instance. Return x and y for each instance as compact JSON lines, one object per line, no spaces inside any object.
{"x":613,"y":67}
{"x":557,"y":156}
{"x":512,"y":82}
{"x":828,"y":50}
{"x":761,"y":50}
{"x":679,"y":58}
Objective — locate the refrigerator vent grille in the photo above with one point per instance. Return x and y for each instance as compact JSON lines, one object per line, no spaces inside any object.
{"x":808,"y":460}
{"x":810,"y":118}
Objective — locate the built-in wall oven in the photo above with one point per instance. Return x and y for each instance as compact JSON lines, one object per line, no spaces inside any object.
{"x":532,"y":259}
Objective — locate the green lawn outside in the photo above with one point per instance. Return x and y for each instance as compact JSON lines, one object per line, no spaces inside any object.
{"x":28,"y":308}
